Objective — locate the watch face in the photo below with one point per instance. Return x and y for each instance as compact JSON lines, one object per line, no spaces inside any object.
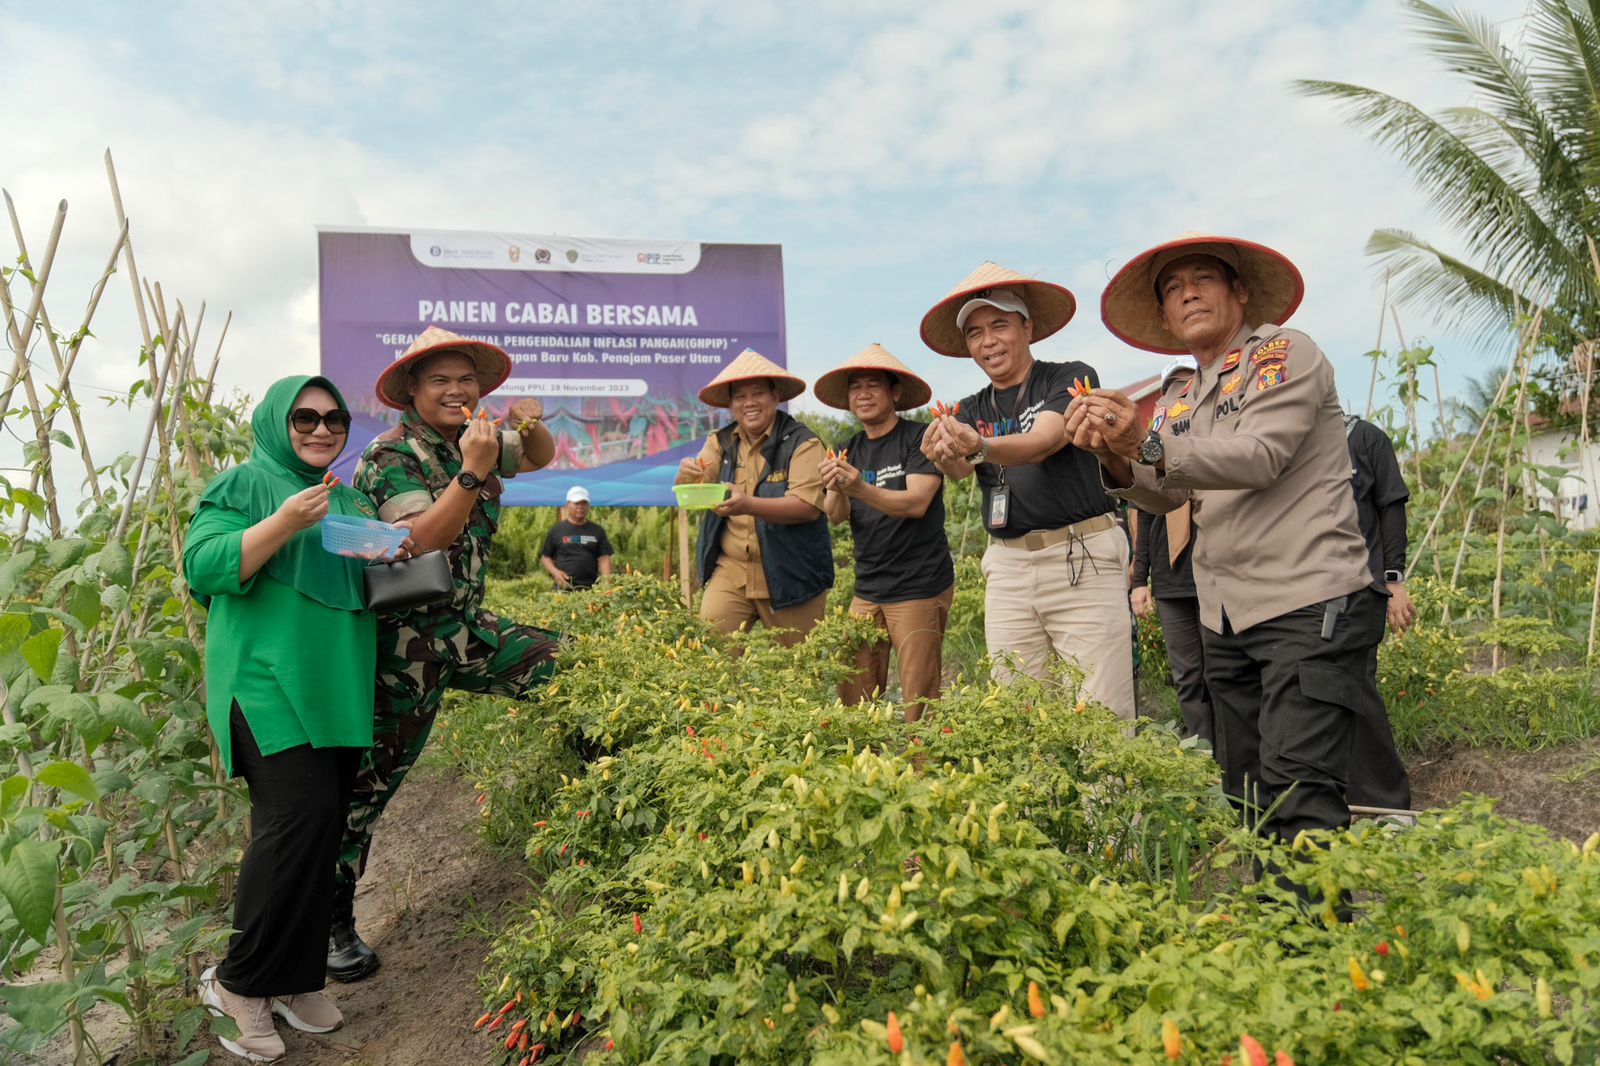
{"x":1150,"y":450}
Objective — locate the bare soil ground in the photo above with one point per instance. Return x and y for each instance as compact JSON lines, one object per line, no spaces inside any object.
{"x":1546,"y":787}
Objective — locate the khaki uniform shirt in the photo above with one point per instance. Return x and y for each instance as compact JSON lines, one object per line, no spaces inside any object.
{"x":1256,"y":440}
{"x":741,"y":551}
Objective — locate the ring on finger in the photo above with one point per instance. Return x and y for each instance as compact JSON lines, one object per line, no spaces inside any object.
{"x":1111,"y":418}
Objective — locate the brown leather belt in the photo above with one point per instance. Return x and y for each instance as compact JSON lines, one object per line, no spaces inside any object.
{"x":1045,"y":538}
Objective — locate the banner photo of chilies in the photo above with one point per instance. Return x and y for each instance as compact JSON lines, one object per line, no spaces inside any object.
{"x":616,"y":337}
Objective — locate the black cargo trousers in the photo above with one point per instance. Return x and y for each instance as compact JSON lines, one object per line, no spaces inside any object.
{"x":1286,"y":695}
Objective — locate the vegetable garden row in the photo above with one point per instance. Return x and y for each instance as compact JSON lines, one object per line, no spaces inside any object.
{"x":736,"y":867}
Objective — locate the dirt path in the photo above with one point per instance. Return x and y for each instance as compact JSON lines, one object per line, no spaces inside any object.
{"x":428,"y":878}
{"x":1535,"y":786}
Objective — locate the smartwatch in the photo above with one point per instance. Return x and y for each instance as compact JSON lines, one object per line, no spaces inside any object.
{"x":1394,"y":577}
{"x":468,"y":480}
{"x":1151,"y":451}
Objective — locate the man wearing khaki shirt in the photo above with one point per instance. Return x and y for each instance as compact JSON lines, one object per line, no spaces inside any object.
{"x":764,"y":552}
{"x":1256,"y":441}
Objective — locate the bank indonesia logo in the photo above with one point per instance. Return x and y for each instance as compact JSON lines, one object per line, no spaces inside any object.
{"x":436,"y":251}
{"x":572,"y":255}
{"x":542,"y":255}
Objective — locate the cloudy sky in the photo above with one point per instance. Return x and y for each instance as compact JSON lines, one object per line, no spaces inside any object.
{"x":889,"y":147}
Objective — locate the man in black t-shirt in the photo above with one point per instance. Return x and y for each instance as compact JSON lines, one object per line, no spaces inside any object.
{"x":577,"y":552}
{"x":1057,"y":563}
{"x":1378,"y":777}
{"x":893,"y":497}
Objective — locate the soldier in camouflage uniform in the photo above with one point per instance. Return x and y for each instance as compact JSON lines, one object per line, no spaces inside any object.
{"x":440,"y":470}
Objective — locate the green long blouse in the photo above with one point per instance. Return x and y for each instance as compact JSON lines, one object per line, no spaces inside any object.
{"x":301,"y":671}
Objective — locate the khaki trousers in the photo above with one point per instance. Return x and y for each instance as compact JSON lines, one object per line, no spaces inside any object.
{"x":916,"y":632}
{"x":726,"y":607}
{"x":1071,"y":598}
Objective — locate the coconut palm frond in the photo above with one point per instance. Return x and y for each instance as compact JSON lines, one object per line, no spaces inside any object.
{"x":1470,"y":46}
{"x":1452,"y":290}
{"x":1564,"y":40}
{"x":1499,"y":224}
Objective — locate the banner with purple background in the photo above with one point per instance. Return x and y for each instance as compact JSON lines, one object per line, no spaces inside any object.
{"x":616,"y":337}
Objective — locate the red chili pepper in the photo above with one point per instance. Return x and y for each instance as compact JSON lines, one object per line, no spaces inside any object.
{"x":540,"y":825}
{"x":497,"y":1023}
{"x":638,"y":926}
{"x":1383,"y":947}
{"x":509,"y":1004}
{"x":522,"y":1042}
{"x":481,"y":1020}
{"x":511,"y":1041}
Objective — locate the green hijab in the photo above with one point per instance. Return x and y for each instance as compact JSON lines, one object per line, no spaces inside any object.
{"x":273,"y":473}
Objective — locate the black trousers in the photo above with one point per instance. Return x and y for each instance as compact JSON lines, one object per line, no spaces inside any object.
{"x":284,"y":905}
{"x":1180,"y":627}
{"x":1286,"y":701}
{"x":1377,"y":776}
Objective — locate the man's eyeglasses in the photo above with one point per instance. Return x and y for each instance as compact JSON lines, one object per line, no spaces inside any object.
{"x":305,"y":420}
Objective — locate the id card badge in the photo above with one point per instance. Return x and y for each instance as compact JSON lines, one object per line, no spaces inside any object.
{"x":999,"y":509}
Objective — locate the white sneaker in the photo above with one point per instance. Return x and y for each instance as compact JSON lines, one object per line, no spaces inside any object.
{"x":258,"y":1040}
{"x":309,"y":1012}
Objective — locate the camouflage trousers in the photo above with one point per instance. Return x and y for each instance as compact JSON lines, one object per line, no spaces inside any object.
{"x":485,"y":654}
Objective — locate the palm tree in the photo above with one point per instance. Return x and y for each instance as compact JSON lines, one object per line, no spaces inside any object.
{"x":1516,"y":173}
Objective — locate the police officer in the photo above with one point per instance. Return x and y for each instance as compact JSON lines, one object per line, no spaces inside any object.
{"x":1256,"y":441}
{"x":764,"y":552}
{"x":1378,"y":778}
{"x":893,"y":497}
{"x":440,"y":469}
{"x":1056,"y":567}
{"x":1163,"y":581}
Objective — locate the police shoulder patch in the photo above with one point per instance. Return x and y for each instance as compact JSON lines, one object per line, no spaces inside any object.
{"x":1268,"y":375}
{"x":1231,"y":360}
{"x":1274,"y":351}
{"x":1158,"y":419}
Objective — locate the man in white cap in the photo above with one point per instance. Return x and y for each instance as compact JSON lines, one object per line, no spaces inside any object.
{"x":1057,"y":562}
{"x":1163,"y":581}
{"x":893,"y":497}
{"x":577,"y":552}
{"x":764,"y":552}
{"x":1256,"y":441}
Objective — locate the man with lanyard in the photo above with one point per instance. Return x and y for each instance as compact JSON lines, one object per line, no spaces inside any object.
{"x":893,"y":497}
{"x":1057,"y":562}
{"x":1163,"y":581}
{"x":440,"y":471}
{"x":577,"y":552}
{"x":764,"y":552}
{"x":1256,"y":441}
{"x":1377,"y":777}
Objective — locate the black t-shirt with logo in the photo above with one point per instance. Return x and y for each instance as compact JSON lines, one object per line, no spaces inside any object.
{"x":577,"y":550}
{"x":897,"y":559}
{"x":1065,"y":487}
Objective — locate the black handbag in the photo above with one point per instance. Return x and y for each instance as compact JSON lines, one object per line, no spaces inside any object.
{"x":405,"y":584}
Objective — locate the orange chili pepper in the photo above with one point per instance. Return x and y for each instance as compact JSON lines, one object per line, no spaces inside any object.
{"x":897,"y":1040}
{"x":480,"y":1022}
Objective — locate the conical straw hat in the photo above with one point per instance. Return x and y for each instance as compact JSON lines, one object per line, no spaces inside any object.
{"x":1130,"y":309}
{"x":493,"y":365}
{"x":1049,"y":307}
{"x":833,"y":388}
{"x":750,"y":365}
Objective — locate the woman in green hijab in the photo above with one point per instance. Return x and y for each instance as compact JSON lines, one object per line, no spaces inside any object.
{"x":290,"y":661}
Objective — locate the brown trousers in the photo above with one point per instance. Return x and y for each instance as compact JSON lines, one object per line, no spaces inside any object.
{"x":727,"y":608}
{"x":916,"y":632}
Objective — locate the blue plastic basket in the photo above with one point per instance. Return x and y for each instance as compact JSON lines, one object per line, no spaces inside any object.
{"x":360,"y":538}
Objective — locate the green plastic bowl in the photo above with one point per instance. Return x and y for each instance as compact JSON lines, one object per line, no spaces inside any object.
{"x":694,"y":497}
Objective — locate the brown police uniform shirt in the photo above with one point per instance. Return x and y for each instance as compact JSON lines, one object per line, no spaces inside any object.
{"x":741,"y":551}
{"x":1256,"y":440}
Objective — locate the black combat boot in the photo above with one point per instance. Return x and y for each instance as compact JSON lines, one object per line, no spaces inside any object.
{"x":349,"y":958}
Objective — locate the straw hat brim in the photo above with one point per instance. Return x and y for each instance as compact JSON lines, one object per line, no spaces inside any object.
{"x":493,"y":367}
{"x":1050,"y":307}
{"x":1129,"y":308}
{"x":833,"y":388}
{"x":720,"y":393}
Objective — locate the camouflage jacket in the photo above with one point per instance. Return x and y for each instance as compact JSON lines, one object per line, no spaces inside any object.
{"x":403,"y":471}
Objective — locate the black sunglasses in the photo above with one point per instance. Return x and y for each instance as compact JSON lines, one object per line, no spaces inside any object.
{"x":305,"y":420}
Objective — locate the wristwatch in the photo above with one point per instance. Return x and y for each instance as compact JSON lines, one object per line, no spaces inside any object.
{"x":1151,"y":451}
{"x":981,"y":455}
{"x":468,"y":480}
{"x":1394,"y":577}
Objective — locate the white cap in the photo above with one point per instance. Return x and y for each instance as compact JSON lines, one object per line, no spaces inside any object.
{"x":1177,"y":363}
{"x":577,"y":494}
{"x":1000,"y":299}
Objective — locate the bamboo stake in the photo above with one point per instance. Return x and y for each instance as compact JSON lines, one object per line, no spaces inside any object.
{"x":25,"y":332}
{"x":1525,"y":358}
{"x":133,"y":269}
{"x":1377,"y":346}
{"x":144,"y":449}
